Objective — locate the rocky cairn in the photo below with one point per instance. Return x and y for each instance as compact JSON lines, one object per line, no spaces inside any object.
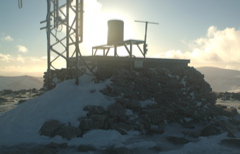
{"x":148,"y":99}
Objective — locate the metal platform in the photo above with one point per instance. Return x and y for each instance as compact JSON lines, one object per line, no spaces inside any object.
{"x":128,"y":44}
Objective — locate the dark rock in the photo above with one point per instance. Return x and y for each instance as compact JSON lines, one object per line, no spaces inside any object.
{"x":21,"y":101}
{"x":7,"y":92}
{"x":53,"y":145}
{"x":103,"y":74}
{"x":108,"y":91}
{"x":2,"y":99}
{"x":113,"y":150}
{"x":156,"y":130}
{"x":121,"y":131}
{"x":220,"y":106}
{"x":63,"y":145}
{"x":134,"y":105}
{"x":116,"y":109}
{"x":177,"y":140}
{"x":145,"y":120}
{"x":228,"y":126}
{"x":194,"y":134}
{"x":157,"y":148}
{"x":86,"y":148}
{"x":94,"y":110}
{"x":178,"y":92}
{"x":93,"y":122}
{"x":49,"y":128}
{"x":122,"y":126}
{"x":236,"y":119}
{"x":212,"y":129}
{"x":231,"y":142}
{"x":68,"y":132}
{"x":231,"y":112}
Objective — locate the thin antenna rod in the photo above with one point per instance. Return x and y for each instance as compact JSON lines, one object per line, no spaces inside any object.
{"x":145,"y":37}
{"x":147,"y":22}
{"x":19,"y":4}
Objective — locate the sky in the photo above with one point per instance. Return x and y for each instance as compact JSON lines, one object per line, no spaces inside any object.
{"x":205,"y":31}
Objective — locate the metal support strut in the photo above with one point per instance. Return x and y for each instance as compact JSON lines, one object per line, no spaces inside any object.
{"x":19,"y":4}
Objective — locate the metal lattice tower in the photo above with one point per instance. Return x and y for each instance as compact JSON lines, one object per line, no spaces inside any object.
{"x":64,"y":27}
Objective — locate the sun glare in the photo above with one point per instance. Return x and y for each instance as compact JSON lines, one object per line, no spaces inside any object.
{"x":96,"y":25}
{"x":95,"y":28}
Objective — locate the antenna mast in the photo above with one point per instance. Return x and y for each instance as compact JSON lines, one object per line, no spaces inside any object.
{"x":145,"y":37}
{"x":19,"y":4}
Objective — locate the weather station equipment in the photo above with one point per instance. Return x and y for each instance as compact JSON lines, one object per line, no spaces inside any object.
{"x":64,"y":29}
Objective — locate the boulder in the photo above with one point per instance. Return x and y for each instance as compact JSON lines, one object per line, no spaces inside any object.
{"x":68,"y":132}
{"x":212,"y":129}
{"x":49,"y":128}
{"x":156,"y":130}
{"x":134,"y":105}
{"x":231,"y":142}
{"x":236,"y":119}
{"x":121,"y":150}
{"x":93,"y":122}
{"x":94,"y":110}
{"x":116,"y":109}
{"x":86,"y":148}
{"x":177,"y":140}
{"x":122,"y":126}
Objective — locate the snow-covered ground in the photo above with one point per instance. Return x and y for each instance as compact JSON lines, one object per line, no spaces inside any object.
{"x":65,"y":103}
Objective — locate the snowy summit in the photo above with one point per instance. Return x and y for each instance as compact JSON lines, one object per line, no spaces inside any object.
{"x":67,"y":104}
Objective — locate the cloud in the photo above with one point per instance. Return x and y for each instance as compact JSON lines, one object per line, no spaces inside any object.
{"x":8,"y":38}
{"x":19,"y":58}
{"x":14,"y":59}
{"x":22,"y":49}
{"x":20,"y":65}
{"x":218,"y":46}
{"x":4,"y":58}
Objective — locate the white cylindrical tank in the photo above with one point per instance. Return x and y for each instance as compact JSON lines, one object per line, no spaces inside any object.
{"x":115,"y":31}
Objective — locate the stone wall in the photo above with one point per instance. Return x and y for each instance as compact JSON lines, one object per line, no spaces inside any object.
{"x":147,"y":99}
{"x":59,"y":75}
{"x":178,"y":91}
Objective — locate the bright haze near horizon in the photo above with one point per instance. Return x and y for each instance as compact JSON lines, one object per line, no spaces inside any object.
{"x":205,"y":31}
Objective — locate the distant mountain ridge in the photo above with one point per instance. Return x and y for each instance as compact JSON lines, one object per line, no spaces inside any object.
{"x":221,"y":80}
{"x":20,"y":82}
